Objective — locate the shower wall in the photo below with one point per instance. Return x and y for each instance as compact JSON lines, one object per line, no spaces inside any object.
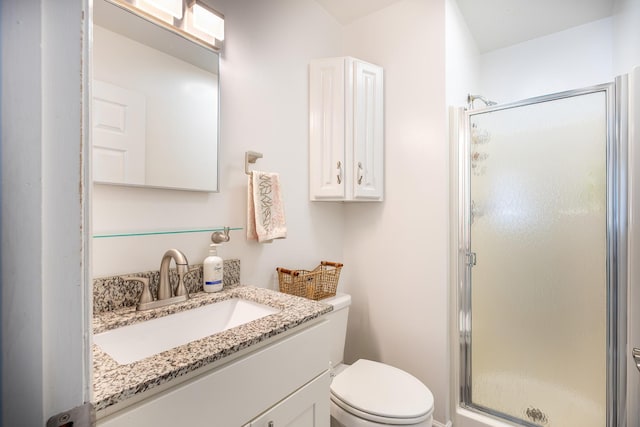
{"x":578,"y":57}
{"x":633,"y":297}
{"x":626,"y":36}
{"x":586,"y":55}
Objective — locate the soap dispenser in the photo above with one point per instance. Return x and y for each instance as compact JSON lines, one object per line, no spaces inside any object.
{"x":212,"y":270}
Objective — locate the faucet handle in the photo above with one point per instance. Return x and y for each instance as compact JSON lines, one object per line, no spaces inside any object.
{"x":192,"y":269}
{"x":181,"y":289}
{"x":146,"y":296}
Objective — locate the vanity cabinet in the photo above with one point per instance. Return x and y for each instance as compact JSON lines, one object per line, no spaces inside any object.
{"x":285,"y":382}
{"x":346,"y":131}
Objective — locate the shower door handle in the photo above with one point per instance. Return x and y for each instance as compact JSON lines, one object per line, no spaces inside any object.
{"x":471,"y":260}
{"x":636,"y":357}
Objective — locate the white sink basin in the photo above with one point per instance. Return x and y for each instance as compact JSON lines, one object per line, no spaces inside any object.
{"x":135,"y":342}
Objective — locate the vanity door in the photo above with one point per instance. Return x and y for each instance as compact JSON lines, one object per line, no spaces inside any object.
{"x":307,"y":407}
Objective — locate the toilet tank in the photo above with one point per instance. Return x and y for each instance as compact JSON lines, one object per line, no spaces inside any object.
{"x":338,"y":326}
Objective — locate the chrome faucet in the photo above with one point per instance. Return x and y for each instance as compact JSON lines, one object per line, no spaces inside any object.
{"x":167,"y":294}
{"x":165,"y":290}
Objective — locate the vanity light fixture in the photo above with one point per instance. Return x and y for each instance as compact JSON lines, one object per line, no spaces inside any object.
{"x":162,"y":9}
{"x":193,"y":19}
{"x":204,"y":22}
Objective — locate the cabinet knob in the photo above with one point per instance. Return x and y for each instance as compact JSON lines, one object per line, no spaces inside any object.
{"x":339,"y":167}
{"x":360,"y":174}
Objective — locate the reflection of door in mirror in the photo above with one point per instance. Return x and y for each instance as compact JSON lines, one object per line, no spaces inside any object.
{"x":155,"y":105}
{"x":119,"y":150}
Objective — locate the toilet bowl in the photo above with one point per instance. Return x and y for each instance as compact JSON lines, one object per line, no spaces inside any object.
{"x":368,"y":393}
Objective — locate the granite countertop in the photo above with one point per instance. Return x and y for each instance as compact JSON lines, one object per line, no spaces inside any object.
{"x":113,"y":383}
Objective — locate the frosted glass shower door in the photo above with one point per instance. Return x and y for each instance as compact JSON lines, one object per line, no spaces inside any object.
{"x":538,"y":290}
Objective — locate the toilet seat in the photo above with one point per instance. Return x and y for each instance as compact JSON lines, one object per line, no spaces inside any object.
{"x":381,"y":393}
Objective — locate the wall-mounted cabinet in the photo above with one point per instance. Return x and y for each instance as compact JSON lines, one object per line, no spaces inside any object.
{"x":346,"y":130}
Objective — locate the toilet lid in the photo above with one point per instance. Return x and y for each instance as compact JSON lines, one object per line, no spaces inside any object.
{"x":380,"y":390}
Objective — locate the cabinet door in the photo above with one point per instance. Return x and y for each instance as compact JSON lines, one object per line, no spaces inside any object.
{"x":368,"y":132}
{"x":326,"y":129}
{"x":307,"y":407}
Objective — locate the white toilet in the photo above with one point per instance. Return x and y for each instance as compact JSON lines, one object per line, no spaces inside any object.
{"x":369,"y":394}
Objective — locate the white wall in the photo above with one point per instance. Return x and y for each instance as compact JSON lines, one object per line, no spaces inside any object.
{"x":626,"y":37}
{"x":462,"y":57}
{"x":264,"y":105}
{"x":462,"y":78}
{"x":44,"y":320}
{"x":571,"y":59}
{"x":396,"y":251}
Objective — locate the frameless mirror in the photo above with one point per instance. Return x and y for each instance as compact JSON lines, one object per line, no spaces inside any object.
{"x":155,"y":104}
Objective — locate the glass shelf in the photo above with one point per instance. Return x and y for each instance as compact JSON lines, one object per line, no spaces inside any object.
{"x":163,"y":232}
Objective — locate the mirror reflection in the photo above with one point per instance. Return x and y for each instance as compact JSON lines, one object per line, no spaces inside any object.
{"x":155,"y":105}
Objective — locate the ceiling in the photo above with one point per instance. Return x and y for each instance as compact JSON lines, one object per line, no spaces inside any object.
{"x":347,"y":11}
{"x":497,"y":23}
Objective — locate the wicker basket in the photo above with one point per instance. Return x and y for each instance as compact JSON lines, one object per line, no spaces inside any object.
{"x":319,"y":283}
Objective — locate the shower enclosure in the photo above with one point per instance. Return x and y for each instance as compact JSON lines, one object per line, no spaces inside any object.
{"x":540,"y":254}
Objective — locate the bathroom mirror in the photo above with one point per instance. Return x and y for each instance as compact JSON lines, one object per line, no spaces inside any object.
{"x":154,"y":104}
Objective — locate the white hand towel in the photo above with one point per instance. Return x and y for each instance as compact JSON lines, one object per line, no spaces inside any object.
{"x":265,"y":209}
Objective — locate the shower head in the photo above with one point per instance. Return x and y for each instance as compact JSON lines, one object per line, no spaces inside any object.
{"x":471,"y":98}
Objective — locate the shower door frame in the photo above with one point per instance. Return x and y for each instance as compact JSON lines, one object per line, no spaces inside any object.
{"x":616,"y":242}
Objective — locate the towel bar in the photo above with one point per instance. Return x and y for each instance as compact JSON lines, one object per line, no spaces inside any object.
{"x":250,"y":157}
